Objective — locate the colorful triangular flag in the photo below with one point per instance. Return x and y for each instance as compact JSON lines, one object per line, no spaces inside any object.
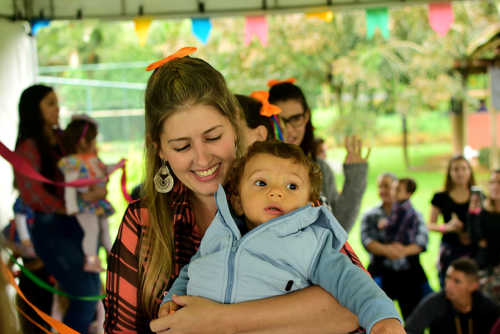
{"x":141,"y":27}
{"x":256,"y":25}
{"x":440,"y":17}
{"x":325,"y":16}
{"x":377,"y":18}
{"x":38,"y":24}
{"x":201,"y":28}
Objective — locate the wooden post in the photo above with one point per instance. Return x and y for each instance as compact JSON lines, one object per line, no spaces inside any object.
{"x":493,"y":120}
{"x":493,"y":132}
{"x":457,"y":125}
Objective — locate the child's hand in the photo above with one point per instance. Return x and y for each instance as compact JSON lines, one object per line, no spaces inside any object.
{"x":382,"y":223}
{"x":388,"y":326}
{"x":167,"y":308}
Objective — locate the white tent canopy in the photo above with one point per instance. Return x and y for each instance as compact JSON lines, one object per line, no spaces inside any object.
{"x":127,"y":9}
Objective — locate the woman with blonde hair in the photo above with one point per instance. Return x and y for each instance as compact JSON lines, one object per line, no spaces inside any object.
{"x":192,"y":127}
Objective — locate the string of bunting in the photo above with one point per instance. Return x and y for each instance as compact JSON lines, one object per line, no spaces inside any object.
{"x":440,"y":16}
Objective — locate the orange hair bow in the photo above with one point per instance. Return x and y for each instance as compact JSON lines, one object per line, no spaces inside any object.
{"x":186,"y":51}
{"x":273,"y":82}
{"x":267,"y":109}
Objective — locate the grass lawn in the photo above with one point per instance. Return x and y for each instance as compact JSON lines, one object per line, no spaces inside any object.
{"x":428,"y":164}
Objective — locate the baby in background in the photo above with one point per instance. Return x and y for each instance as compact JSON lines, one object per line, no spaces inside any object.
{"x":273,"y":241}
{"x":79,"y":139}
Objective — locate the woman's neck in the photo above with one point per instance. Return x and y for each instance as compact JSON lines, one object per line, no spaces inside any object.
{"x":460,"y":193}
{"x":204,"y":208}
{"x":387,"y":206}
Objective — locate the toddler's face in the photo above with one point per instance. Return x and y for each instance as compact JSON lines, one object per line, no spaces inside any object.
{"x":401,"y":193}
{"x":271,"y":187}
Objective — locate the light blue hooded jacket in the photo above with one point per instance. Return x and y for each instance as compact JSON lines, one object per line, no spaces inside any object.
{"x":285,"y":254}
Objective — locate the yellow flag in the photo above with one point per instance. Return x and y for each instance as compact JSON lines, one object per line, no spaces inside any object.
{"x":141,"y":27}
{"x":325,"y":16}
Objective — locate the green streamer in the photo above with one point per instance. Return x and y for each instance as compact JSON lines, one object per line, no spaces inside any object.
{"x":42,"y":284}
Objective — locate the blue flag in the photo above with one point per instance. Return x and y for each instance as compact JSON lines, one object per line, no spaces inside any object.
{"x":201,"y":28}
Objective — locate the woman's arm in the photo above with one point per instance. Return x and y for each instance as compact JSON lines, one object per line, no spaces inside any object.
{"x":122,"y":279}
{"x":311,"y":310}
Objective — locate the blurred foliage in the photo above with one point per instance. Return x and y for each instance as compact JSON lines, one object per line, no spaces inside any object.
{"x":336,"y":65}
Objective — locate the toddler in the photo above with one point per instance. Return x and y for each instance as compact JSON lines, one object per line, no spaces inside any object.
{"x":79,"y":140}
{"x":273,"y":241}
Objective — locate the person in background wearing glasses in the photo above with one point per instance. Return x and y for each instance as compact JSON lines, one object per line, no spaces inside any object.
{"x":484,"y":229}
{"x":296,"y":117}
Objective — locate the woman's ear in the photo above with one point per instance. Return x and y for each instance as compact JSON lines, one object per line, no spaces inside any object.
{"x":261,"y":133}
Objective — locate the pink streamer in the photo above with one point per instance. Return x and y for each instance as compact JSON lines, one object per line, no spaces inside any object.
{"x":256,"y":25}
{"x":440,"y":17}
{"x":22,"y":166}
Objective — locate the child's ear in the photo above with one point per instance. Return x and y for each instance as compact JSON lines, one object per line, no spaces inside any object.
{"x":236,"y":204}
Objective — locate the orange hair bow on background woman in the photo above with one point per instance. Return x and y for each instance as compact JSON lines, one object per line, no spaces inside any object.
{"x":273,"y":82}
{"x":186,"y":51}
{"x":269,"y":110}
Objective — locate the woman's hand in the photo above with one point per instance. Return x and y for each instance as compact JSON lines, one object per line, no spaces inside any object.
{"x":388,"y":326}
{"x":197,"y":315}
{"x":354,"y":145}
{"x":94,"y":194}
{"x":455,"y":224}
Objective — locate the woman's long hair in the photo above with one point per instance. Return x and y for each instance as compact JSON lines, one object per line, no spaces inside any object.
{"x":32,"y":126}
{"x":175,"y":86}
{"x":288,"y":91}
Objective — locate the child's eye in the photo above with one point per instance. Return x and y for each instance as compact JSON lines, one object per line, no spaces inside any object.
{"x":260,"y":183}
{"x":292,"y":186}
{"x":179,"y":149}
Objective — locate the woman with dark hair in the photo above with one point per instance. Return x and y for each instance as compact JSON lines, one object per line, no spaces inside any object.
{"x":55,"y":235}
{"x":257,"y":127}
{"x":453,"y":205}
{"x":296,"y":117}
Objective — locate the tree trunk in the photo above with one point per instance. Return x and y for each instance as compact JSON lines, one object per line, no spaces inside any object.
{"x":404,"y":125}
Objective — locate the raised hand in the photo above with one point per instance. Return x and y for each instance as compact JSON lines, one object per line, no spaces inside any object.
{"x":354,"y":146}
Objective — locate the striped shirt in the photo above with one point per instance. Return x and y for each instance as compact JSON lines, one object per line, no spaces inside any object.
{"x":123,"y":313}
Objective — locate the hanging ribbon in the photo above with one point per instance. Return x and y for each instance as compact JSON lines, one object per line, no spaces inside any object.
{"x":377,"y":18}
{"x":141,"y":27}
{"x":256,"y":25}
{"x":201,"y":28}
{"x":56,"y":324}
{"x":440,"y":17}
{"x":42,"y":284}
{"x":22,"y":166}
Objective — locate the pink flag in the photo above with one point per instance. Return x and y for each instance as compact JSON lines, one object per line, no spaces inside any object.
{"x":256,"y":25}
{"x":440,"y":17}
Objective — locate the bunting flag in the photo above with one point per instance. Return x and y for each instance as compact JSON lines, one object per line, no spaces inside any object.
{"x":141,"y":27}
{"x":325,"y":16}
{"x":256,"y":25}
{"x":38,"y":24}
{"x":377,"y":18}
{"x":201,"y":28}
{"x":440,"y":17}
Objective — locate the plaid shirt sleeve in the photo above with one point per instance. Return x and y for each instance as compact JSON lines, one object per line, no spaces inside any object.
{"x":32,"y":192}
{"x":122,"y":281}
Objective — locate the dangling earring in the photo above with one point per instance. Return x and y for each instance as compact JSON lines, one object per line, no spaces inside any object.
{"x":163,"y":180}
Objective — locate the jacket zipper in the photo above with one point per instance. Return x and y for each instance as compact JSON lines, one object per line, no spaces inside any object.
{"x":230,"y":272}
